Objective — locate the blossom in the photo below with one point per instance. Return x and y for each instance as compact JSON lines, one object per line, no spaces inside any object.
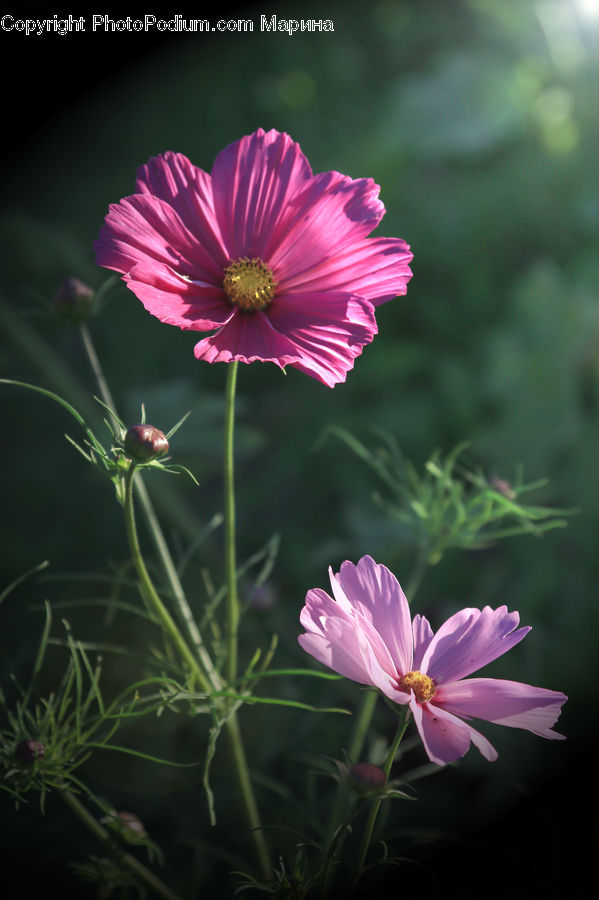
{"x":366,"y":634}
{"x":276,"y":259}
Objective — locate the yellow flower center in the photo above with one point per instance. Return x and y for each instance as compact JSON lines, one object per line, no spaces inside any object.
{"x":422,"y":685}
{"x":249,"y":283}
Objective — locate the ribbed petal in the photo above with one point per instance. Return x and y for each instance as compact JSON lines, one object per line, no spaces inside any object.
{"x":327,"y":331}
{"x":332,"y":213}
{"x":173,"y":178}
{"x":248,"y":337}
{"x":345,"y":643}
{"x":505,"y":703}
{"x":469,"y":640}
{"x":253,"y":181}
{"x":445,"y":737}
{"x":176,"y":300}
{"x":423,"y":635}
{"x":142,"y":228}
{"x":376,"y":269}
{"x":374,"y":592}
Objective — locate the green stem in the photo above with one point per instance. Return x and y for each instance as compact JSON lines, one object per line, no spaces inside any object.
{"x":150,"y":593}
{"x":245,"y":785}
{"x":374,"y":810}
{"x":229,"y":510}
{"x":94,"y":362}
{"x":334,"y":842}
{"x":233,"y":615}
{"x":417,"y":574}
{"x":130,"y":861}
{"x":184,"y":610}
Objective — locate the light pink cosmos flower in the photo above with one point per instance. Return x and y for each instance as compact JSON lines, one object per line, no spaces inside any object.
{"x":274,"y":258}
{"x":366,"y":633}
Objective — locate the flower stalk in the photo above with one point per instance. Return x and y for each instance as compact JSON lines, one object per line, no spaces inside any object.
{"x":153,"y":524}
{"x":133,"y":864}
{"x":376,"y":805}
{"x":233,"y":615}
{"x":150,"y":593}
{"x":229,"y":511}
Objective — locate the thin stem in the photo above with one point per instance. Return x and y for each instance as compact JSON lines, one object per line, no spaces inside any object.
{"x":416,"y":576}
{"x":233,"y":730}
{"x":130,"y":861}
{"x":184,"y":610}
{"x":94,"y":362}
{"x":335,"y":840}
{"x":229,"y":509}
{"x":245,"y":785}
{"x":149,"y":591}
{"x":374,"y":810}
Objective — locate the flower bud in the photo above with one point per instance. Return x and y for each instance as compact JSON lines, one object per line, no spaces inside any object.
{"x":144,"y":443}
{"x":366,"y":778}
{"x":74,"y":299}
{"x":503,"y":487}
{"x":129,"y":827}
{"x":28,"y":751}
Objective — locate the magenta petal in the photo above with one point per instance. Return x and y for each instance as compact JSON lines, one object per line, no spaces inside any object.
{"x":445,"y":737}
{"x":333,"y":213}
{"x":173,"y":178}
{"x":375,"y":593}
{"x":247,"y":338}
{"x":328,"y":331}
{"x":508,"y":703}
{"x":178,"y":301}
{"x":469,"y":640}
{"x":376,"y":269}
{"x":253,"y":182}
{"x":145,"y":229}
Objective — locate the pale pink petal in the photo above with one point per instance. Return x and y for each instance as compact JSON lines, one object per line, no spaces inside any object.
{"x":327,"y":330}
{"x":505,"y":703}
{"x":173,"y":178}
{"x":376,"y":269}
{"x":142,"y":228}
{"x":374,"y":592}
{"x":253,"y":182}
{"x":423,"y":635}
{"x":332,"y":213}
{"x":176,"y":300}
{"x":469,"y":640}
{"x":445,"y":737}
{"x":346,"y":643}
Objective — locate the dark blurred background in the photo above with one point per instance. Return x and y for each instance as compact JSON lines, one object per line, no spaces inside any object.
{"x":478,"y":118}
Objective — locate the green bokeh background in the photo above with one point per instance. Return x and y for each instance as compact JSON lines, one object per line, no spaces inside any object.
{"x":478,"y":118}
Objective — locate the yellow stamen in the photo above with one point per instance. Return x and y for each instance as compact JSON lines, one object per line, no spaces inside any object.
{"x":249,"y":283}
{"x":422,"y":685}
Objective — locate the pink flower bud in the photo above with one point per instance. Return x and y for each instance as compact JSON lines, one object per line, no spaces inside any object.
{"x":144,"y":443}
{"x":28,"y":751}
{"x":503,"y":487}
{"x":130,"y":827}
{"x":366,"y":778}
{"x":74,"y":299}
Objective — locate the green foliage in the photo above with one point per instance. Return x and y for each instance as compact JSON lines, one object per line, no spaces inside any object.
{"x":448,"y":506}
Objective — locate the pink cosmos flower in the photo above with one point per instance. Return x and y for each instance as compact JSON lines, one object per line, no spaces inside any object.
{"x":274,"y":258}
{"x":366,"y":633}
